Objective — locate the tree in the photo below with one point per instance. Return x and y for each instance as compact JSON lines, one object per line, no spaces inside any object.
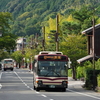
{"x":30,"y":53}
{"x":5,"y":17}
{"x":4,"y":54}
{"x":17,"y":56}
{"x":7,"y":41}
{"x":74,"y":46}
{"x":84,"y":16}
{"x":70,"y":28}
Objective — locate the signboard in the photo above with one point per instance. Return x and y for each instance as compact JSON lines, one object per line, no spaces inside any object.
{"x":52,"y":57}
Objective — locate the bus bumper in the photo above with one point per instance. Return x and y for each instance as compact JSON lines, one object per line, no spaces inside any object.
{"x":41,"y":85}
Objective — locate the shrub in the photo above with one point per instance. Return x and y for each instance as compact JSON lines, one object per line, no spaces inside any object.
{"x":70,"y":72}
{"x":98,"y":80}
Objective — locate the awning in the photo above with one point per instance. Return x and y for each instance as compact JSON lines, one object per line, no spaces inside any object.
{"x":89,"y":57}
{"x":90,"y":29}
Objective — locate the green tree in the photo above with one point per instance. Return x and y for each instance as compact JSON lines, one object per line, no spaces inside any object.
{"x":70,"y":28}
{"x":97,"y":64}
{"x":4,"y":54}
{"x":84,"y":16}
{"x":17,"y":56}
{"x":74,"y":46}
{"x":7,"y":40}
{"x":29,"y":54}
{"x":81,"y":69}
{"x":5,"y":17}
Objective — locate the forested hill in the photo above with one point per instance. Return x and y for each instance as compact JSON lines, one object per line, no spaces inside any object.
{"x":29,"y":14}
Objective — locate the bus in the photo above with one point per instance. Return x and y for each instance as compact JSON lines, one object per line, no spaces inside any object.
{"x":50,"y":70}
{"x":8,"y":64}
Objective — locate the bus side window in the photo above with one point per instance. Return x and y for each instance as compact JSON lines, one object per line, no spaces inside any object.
{"x":35,"y":66}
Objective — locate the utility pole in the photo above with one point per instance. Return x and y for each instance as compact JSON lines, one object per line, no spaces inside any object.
{"x":43,"y":31}
{"x":93,"y":39}
{"x":32,"y":42}
{"x":23,"y":52}
{"x":36,"y":39}
{"x":56,"y":36}
{"x":93,"y":46}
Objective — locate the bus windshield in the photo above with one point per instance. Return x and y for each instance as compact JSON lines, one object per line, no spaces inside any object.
{"x":8,"y":61}
{"x":52,"y":68}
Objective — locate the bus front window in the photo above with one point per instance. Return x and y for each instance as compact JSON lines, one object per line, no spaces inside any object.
{"x":52,"y":68}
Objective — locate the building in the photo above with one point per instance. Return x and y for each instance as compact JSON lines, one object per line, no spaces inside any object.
{"x":93,"y":43}
{"x":21,"y":43}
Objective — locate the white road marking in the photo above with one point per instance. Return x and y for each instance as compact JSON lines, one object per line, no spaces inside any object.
{"x":29,"y":87}
{"x":20,"y":79}
{"x":43,"y":95}
{"x":84,"y":94}
{"x":0,"y":75}
{"x":0,"y":78}
{"x":0,"y":86}
{"x":36,"y":92}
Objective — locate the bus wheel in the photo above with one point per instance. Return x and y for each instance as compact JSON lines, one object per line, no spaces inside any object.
{"x":37,"y":89}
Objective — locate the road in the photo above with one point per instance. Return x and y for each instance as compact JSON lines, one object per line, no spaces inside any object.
{"x":17,"y":85}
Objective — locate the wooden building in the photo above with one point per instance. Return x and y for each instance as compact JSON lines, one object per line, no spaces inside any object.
{"x":93,"y":43}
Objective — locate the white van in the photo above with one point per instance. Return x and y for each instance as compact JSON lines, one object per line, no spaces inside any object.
{"x":8,"y":64}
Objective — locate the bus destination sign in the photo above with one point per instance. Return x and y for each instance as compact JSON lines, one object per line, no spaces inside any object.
{"x":52,"y":57}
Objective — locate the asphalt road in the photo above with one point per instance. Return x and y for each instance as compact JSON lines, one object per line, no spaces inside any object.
{"x":17,"y":85}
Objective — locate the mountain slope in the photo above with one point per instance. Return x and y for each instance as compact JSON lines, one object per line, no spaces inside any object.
{"x":29,"y":14}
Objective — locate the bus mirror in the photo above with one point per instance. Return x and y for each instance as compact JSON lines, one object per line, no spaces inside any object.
{"x":69,"y":63}
{"x":65,"y":65}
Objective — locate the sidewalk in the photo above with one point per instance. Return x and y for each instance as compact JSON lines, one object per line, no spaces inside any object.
{"x":75,"y":83}
{"x":76,"y":86}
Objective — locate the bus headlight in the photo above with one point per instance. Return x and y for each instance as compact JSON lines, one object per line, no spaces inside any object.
{"x":39,"y":82}
{"x":64,"y":83}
